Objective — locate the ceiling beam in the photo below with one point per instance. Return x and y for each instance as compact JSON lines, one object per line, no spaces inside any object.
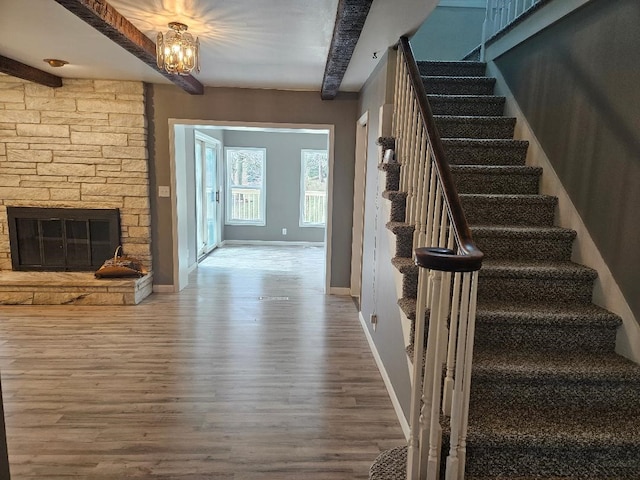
{"x":106,"y":19}
{"x":346,"y":32}
{"x":20,"y":70}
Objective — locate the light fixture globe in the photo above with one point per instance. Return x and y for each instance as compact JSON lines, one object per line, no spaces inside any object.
{"x":177,"y":51}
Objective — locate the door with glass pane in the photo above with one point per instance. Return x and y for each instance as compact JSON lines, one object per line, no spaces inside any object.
{"x":207,"y":194}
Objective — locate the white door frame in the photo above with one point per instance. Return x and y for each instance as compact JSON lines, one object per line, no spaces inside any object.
{"x":178,"y":190}
{"x":359,"y":183}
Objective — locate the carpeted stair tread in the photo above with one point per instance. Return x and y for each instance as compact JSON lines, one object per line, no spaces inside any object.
{"x":511,"y":209}
{"x":536,"y":269}
{"x":543,"y":426}
{"x":540,"y":313}
{"x":452,"y":68}
{"x":522,"y":231}
{"x":498,"y":180}
{"x":527,"y":365}
{"x":470,"y":151}
{"x":405,"y":265}
{"x":481,"y":105}
{"x":576,"y":327}
{"x":524,"y":242}
{"x":408,"y":307}
{"x":400,"y":227}
{"x":390,"y":465}
{"x":529,"y":198}
{"x":497,"y":169}
{"x":480,"y":127}
{"x":393,"y":194}
{"x":386,"y":167}
{"x":458,"y":85}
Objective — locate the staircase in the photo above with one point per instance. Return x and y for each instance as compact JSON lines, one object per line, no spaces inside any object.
{"x":550,"y":398}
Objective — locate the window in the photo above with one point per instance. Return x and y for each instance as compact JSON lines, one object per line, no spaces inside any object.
{"x":313,"y":188}
{"x":245,"y":186}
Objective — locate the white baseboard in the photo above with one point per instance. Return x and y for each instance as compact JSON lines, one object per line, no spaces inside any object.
{"x":340,"y":291}
{"x":607,"y":293}
{"x":272,"y":242}
{"x":385,"y":378}
{"x":163,"y":289}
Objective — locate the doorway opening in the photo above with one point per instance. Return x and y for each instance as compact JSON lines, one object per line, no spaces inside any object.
{"x":250,"y":184}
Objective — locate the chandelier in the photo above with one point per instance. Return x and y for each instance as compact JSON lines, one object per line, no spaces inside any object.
{"x":177,"y":51}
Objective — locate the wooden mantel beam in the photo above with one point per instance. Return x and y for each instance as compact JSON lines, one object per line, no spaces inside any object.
{"x":106,"y":19}
{"x":20,"y":70}
{"x":346,"y":32}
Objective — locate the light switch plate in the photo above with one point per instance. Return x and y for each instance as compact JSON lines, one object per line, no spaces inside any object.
{"x":164,"y":191}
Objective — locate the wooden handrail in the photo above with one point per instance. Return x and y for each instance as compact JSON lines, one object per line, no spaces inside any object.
{"x":470,"y":258}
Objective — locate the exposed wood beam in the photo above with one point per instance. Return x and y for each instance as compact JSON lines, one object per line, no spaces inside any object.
{"x":20,"y":70}
{"x":346,"y":32}
{"x":106,"y":19}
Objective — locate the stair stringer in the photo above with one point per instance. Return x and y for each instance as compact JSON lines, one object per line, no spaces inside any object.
{"x":606,"y":292}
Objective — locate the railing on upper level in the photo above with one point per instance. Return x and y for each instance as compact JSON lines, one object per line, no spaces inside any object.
{"x":245,"y":203}
{"x":500,"y":14}
{"x":314,"y":207}
{"x":447,"y":280}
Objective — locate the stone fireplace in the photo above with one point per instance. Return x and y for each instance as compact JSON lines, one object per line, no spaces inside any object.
{"x":80,"y":147}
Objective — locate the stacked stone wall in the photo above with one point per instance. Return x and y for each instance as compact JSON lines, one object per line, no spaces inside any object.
{"x":83,"y":145}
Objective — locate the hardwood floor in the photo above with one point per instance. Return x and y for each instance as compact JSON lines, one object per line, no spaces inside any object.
{"x":212,"y":383}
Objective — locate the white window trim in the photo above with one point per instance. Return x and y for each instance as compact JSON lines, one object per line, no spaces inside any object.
{"x":301,"y":221}
{"x":228,"y":203}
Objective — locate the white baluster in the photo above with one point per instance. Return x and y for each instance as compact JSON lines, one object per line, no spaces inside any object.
{"x":417,"y":395}
{"x":453,"y":460}
{"x":468,"y":365}
{"x":421,"y":193}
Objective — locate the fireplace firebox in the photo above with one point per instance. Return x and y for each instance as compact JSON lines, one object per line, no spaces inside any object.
{"x":62,"y":239}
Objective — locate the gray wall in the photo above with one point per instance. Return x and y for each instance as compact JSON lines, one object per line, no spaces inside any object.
{"x":166,"y":102}
{"x":283,"y":167}
{"x":578,"y":85}
{"x":449,"y":33}
{"x":378,"y":287}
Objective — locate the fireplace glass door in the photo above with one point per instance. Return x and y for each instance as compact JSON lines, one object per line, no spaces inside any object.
{"x":62,"y":239}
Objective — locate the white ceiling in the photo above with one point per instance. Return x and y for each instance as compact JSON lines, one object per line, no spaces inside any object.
{"x":279,"y":44}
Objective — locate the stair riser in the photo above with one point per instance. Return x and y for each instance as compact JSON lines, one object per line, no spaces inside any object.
{"x":480,"y":212}
{"x":524,"y":248}
{"x":486,"y":183}
{"x":488,"y":109}
{"x":545,"y":337}
{"x":458,"y":155}
{"x":398,"y":209}
{"x":409,"y":286}
{"x":470,"y":128}
{"x":452,"y":70}
{"x":472,"y":86}
{"x":548,"y":290}
{"x":392,"y":179}
{"x":592,"y":463}
{"x":404,"y":244}
{"x":565,"y":394}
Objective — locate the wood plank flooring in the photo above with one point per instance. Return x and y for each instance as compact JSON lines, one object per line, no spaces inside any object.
{"x":212,"y":383}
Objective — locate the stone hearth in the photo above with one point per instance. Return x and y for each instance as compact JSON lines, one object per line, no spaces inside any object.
{"x":71,"y":288}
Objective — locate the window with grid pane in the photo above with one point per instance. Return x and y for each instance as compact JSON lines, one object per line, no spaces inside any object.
{"x":313,"y":188}
{"x":245,"y":193}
